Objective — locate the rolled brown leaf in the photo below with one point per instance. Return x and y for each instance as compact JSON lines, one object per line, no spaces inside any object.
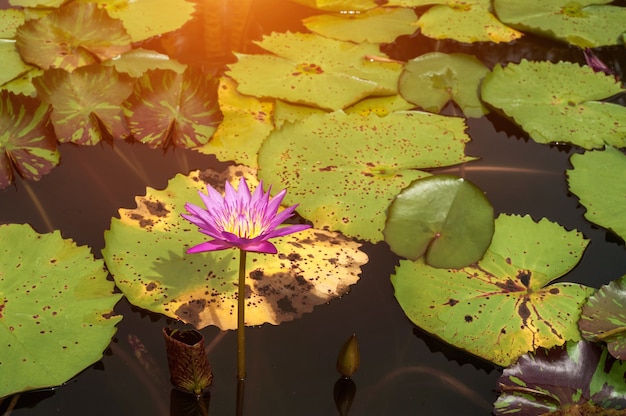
{"x":189,"y":366}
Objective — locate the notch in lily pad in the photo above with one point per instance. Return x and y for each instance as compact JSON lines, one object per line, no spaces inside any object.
{"x":444,"y":218}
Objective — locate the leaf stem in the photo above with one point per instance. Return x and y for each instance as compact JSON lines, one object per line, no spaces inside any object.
{"x":241,"y":336}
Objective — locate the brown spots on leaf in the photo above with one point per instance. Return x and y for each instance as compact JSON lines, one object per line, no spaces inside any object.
{"x":469,"y":318}
{"x":554,"y":291}
{"x":285,"y":306}
{"x":524,"y":276}
{"x":190,"y":311}
{"x":156,"y":208}
{"x":508,"y":260}
{"x":508,"y":286}
{"x":451,"y":302}
{"x":151,"y":286}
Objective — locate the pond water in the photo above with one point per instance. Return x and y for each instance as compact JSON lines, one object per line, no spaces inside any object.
{"x":291,"y":367}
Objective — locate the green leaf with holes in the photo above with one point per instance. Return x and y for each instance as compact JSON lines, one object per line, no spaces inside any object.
{"x":584,"y":23}
{"x":56,"y":309}
{"x":433,"y":79}
{"x":603,"y":318}
{"x":444,"y":218}
{"x":345,"y":169}
{"x":27,"y":147}
{"x":379,"y":25}
{"x":598,"y":180}
{"x":558,"y":102}
{"x":171,"y":108}
{"x":145,"y":253}
{"x":86,"y":104}
{"x":504,"y":305}
{"x":313,"y":70}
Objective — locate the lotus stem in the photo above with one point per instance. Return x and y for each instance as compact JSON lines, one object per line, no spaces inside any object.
{"x":241,"y":307}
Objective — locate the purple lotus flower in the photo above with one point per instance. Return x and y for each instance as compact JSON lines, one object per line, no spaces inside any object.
{"x":239,"y":219}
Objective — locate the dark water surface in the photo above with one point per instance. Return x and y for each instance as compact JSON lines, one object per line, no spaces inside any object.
{"x":291,"y":367}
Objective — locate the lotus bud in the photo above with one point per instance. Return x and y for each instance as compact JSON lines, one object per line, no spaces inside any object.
{"x":348,"y":360}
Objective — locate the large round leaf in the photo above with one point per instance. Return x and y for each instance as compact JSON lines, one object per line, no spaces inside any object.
{"x":598,"y":181}
{"x":559,"y":102}
{"x":501,"y":307}
{"x":345,"y":169}
{"x":145,"y":252}
{"x":56,"y":307}
{"x":445,"y":218}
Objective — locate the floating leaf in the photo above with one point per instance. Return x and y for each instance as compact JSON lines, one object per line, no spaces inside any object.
{"x":86,"y":103}
{"x":345,"y":169}
{"x":313,"y":70}
{"x":25,"y":143}
{"x":558,"y":102}
{"x":75,"y":35}
{"x":36,"y":3}
{"x":603,"y":317}
{"x":379,"y":25}
{"x":585,"y":23}
{"x":444,"y":218}
{"x":579,"y":378}
{"x":56,"y":309}
{"x":501,"y":307}
{"x":170,"y":108}
{"x":465,"y":21}
{"x":137,"y":62}
{"x":12,"y":64}
{"x":247,"y":122}
{"x":598,"y":181}
{"x":145,"y":252}
{"x":144,"y":19}
{"x":10,"y":20}
{"x":433,"y":79}
{"x":339,"y":5}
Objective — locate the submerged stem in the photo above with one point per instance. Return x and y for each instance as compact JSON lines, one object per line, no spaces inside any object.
{"x":241,"y":299}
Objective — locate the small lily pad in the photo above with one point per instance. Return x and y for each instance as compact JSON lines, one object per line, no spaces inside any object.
{"x":444,"y":218}
{"x":603,"y":317}
{"x":504,"y":305}
{"x":579,"y":376}
{"x":433,"y":79}
{"x":584,"y":23}
{"x":598,"y":181}
{"x":345,"y":169}
{"x":556,"y":103}
{"x":145,"y":253}
{"x":137,"y":62}
{"x":379,"y":25}
{"x":56,"y":309}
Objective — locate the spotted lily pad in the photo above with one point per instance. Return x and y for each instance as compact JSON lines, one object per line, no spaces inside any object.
{"x":313,"y":70}
{"x":558,"y":102}
{"x":379,"y":25}
{"x":433,"y":79}
{"x":598,"y":181}
{"x":345,"y":169}
{"x":579,"y":378}
{"x":86,"y":104}
{"x":10,"y":20}
{"x":145,"y":252}
{"x":466,"y":21}
{"x":339,"y":5}
{"x":167,"y":107}
{"x":137,"y":62}
{"x":56,"y":309}
{"x":584,"y":23}
{"x":444,"y":218}
{"x":26,"y":146}
{"x":603,"y":317}
{"x":74,"y":35}
{"x":504,"y":305}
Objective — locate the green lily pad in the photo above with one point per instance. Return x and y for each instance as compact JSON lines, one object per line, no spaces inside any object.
{"x":12,"y":64}
{"x":444,"y":218}
{"x":379,"y":25}
{"x":598,"y":181}
{"x":86,"y":104}
{"x":10,"y":20}
{"x":56,"y":309}
{"x":26,"y":146}
{"x":345,"y":169}
{"x":558,"y":102}
{"x":313,"y":70}
{"x":246,"y":123}
{"x":339,"y":5}
{"x":466,"y":21}
{"x":36,"y":3}
{"x":74,"y":35}
{"x":144,"y":19}
{"x":503,"y":306}
{"x":137,"y":62}
{"x":603,"y":317}
{"x":577,"y":378}
{"x":145,"y":252}
{"x":584,"y":23}
{"x":171,"y":108}
{"x":433,"y":79}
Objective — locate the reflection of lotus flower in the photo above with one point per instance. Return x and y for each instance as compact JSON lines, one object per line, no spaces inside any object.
{"x":596,"y":63}
{"x":239,"y":219}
